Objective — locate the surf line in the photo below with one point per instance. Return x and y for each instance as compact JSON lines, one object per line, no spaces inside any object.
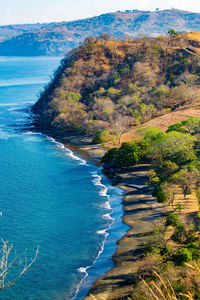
{"x":103,"y":192}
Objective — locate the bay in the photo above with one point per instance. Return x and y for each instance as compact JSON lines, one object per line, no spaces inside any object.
{"x":49,"y":197}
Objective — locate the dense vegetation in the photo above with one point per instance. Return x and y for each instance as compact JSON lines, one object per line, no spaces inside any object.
{"x":175,"y":164}
{"x":105,"y":86}
{"x":58,"y":38}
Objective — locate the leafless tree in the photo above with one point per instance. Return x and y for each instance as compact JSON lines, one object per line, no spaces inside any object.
{"x":9,"y":263}
{"x":120,"y":125}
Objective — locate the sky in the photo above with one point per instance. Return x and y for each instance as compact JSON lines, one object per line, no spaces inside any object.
{"x":34,"y":11}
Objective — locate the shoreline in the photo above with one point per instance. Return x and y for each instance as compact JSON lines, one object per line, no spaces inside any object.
{"x":101,"y":264}
{"x":140,"y":210}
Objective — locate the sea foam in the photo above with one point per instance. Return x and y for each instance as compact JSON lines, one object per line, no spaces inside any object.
{"x":67,"y":151}
{"x":106,"y":205}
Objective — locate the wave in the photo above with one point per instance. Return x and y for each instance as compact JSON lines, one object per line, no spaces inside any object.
{"x":21,"y":83}
{"x":106,"y":205}
{"x":67,"y":151}
{"x":103,"y":192}
{"x":15,"y":104}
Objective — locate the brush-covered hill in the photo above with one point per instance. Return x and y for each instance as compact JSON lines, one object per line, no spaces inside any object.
{"x":106,"y":86}
{"x":58,"y":38}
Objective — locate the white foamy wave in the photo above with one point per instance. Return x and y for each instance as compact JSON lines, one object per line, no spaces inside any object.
{"x":97,"y":181}
{"x":31,"y":133}
{"x":31,"y":81}
{"x":15,"y":104}
{"x":74,"y":157}
{"x":106,"y":205}
{"x":107,"y":217}
{"x":103,"y":192}
{"x":68,"y":152}
{"x":103,"y":232}
{"x":82,"y":270}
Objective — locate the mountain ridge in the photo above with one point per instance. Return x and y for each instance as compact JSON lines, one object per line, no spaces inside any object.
{"x":57,"y":38}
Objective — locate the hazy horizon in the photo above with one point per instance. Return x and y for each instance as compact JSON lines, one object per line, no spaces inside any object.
{"x":47,"y":11}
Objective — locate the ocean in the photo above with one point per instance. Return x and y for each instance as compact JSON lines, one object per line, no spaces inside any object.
{"x":50,"y":197}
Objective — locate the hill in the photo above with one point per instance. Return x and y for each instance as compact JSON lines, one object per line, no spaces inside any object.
{"x":105,"y":87}
{"x":58,"y":38}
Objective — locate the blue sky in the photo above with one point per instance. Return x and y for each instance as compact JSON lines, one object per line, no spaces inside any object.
{"x":33,"y":11}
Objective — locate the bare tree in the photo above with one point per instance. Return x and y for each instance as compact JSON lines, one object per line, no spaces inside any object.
{"x":7,"y":264}
{"x":120,"y":125}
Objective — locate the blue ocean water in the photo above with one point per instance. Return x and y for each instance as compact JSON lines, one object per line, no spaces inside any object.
{"x":50,"y":197}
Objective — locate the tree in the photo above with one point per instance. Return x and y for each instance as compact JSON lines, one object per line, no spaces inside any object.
{"x":183,"y":255}
{"x":187,"y":179}
{"x":179,"y":207}
{"x":173,"y":220}
{"x":172,"y":32}
{"x":8,"y":263}
{"x":120,"y":125}
{"x":174,"y":146}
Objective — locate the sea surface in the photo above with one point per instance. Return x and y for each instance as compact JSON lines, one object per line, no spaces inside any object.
{"x":49,"y":197}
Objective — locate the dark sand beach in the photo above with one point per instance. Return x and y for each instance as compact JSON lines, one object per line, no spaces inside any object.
{"x":140,"y":211}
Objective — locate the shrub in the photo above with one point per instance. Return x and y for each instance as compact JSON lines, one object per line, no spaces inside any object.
{"x":195,"y":250}
{"x":173,"y":220}
{"x":101,"y":136}
{"x":167,"y":250}
{"x":162,"y":196}
{"x":182,"y":255}
{"x":109,"y":155}
{"x":130,"y":153}
{"x":177,"y":127}
{"x":178,"y":287}
{"x":149,"y":131}
{"x":179,"y":235}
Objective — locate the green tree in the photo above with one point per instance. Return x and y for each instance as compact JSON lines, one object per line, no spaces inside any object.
{"x":174,"y":146}
{"x":179,"y":207}
{"x":183,"y":255}
{"x":187,"y":179}
{"x":172,"y":32}
{"x":173,"y":220}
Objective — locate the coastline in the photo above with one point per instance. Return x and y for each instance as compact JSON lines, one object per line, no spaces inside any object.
{"x":140,"y":210}
{"x":113,"y":202}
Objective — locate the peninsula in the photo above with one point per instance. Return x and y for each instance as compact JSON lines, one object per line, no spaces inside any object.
{"x":139,"y":100}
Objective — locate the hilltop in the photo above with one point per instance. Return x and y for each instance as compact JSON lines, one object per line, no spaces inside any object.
{"x":105,"y":87}
{"x":58,"y":38}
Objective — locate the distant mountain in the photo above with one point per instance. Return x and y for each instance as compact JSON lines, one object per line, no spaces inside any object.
{"x":58,"y":38}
